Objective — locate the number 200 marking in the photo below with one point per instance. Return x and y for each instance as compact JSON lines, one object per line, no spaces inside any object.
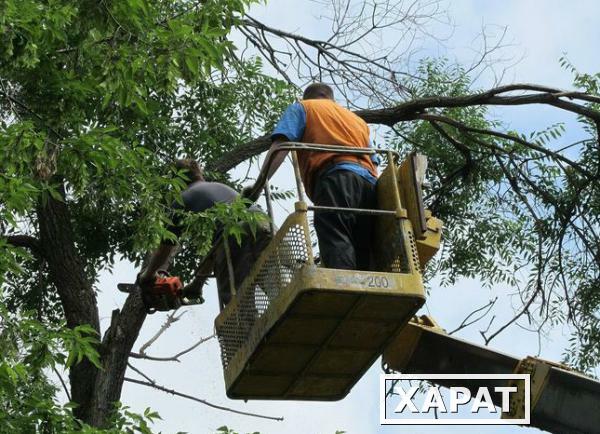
{"x":377,"y":282}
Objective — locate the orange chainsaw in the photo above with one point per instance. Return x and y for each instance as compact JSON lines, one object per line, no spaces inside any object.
{"x":166,"y":293}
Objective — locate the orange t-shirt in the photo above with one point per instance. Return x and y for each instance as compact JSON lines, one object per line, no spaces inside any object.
{"x":328,"y":123}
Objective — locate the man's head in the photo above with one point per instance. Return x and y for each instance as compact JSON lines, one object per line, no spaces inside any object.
{"x":318,"y":91}
{"x":191,"y":169}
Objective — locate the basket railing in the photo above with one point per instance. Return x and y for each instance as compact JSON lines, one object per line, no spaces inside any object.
{"x":291,"y":249}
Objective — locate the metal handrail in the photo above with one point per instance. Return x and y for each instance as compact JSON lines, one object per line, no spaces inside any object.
{"x":366,"y":211}
{"x":310,"y":147}
{"x":262,"y":182}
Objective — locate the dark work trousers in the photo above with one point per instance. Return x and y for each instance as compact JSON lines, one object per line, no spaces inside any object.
{"x":344,"y":238}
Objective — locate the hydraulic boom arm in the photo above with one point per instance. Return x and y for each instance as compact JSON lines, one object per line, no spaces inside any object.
{"x":562,"y":401}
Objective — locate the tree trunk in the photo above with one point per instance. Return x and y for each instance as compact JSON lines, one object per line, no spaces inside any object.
{"x":124,"y":328}
{"x":95,"y":391}
{"x":74,"y":289}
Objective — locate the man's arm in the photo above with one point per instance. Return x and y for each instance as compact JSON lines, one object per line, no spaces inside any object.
{"x":289,"y":128}
{"x":279,"y":157}
{"x":253,"y":191}
{"x":159,"y":260}
{"x":204,"y":271}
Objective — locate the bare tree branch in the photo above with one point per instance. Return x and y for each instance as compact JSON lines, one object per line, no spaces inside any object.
{"x":513,"y":138}
{"x":484,"y":309}
{"x":525,"y":309}
{"x":389,"y":30}
{"x":240,"y":153}
{"x":174,"y":358}
{"x":543,"y":95}
{"x":416,"y":109}
{"x":133,"y":368}
{"x":154,"y":385}
{"x":171,"y":319}
{"x":62,"y":382}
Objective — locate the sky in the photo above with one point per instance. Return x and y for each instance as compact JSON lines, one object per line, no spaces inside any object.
{"x":541,"y":32}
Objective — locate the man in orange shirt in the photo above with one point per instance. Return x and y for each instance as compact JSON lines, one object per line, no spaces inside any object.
{"x":332,"y":179}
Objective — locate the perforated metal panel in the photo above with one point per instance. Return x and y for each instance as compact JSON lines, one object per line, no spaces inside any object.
{"x":296,"y":331}
{"x":389,"y":253}
{"x":278,"y":265}
{"x":412,"y":248}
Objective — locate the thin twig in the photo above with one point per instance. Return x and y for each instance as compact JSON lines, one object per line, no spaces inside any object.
{"x":525,"y":308}
{"x":174,"y":358}
{"x":133,"y":368}
{"x":466,"y":323}
{"x":535,"y":147}
{"x":171,"y":318}
{"x":64,"y":385}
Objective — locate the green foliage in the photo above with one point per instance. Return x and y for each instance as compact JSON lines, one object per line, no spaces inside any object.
{"x":234,"y":216}
{"x":31,"y":290}
{"x":126,"y":421}
{"x":582,"y":271}
{"x":232,"y":220}
{"x":483,"y":237}
{"x":279,"y":194}
{"x":30,"y":351}
{"x":96,"y":98}
{"x":10,"y":260}
{"x":514,"y":216}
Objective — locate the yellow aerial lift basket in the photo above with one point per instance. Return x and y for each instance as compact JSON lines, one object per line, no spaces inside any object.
{"x":294,"y":330}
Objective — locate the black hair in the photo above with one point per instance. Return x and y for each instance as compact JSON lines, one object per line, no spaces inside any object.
{"x":192,"y":169}
{"x":318,"y":91}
